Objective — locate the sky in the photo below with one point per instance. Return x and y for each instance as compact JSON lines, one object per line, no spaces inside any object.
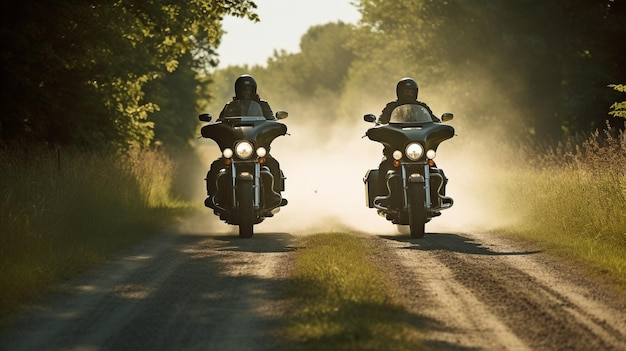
{"x":282,"y":24}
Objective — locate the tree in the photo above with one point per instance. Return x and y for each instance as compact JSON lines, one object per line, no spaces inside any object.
{"x":84,"y":82}
{"x":549,"y":60}
{"x":307,"y":84}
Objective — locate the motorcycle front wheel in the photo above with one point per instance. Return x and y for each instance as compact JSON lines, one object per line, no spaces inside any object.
{"x":417,"y":213}
{"x":245,"y":199}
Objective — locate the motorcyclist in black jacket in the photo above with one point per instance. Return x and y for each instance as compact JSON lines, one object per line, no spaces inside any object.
{"x":245,"y":93}
{"x":406,"y":93}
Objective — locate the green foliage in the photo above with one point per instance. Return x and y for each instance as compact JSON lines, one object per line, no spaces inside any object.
{"x":63,"y":211}
{"x":323,"y":61}
{"x":549,"y":59}
{"x":307,"y":84}
{"x":574,"y":201}
{"x":174,"y":122}
{"x":84,"y":81}
{"x":131,"y":72}
{"x":618,"y":109}
{"x":535,"y":69}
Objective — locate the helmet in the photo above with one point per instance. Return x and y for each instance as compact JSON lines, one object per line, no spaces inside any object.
{"x":406,"y":90}
{"x":245,"y":87}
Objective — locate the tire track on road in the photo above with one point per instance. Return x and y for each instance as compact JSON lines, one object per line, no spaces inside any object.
{"x":492,"y":294}
{"x":171,"y":293}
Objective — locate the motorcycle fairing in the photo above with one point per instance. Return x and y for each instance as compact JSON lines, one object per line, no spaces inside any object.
{"x":248,"y":124}
{"x":397,"y":135}
{"x":410,"y":122}
{"x":225,"y":133}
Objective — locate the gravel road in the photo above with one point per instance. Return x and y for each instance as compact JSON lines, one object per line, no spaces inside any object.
{"x":176,"y":292}
{"x":219,"y":292}
{"x":481,"y":292}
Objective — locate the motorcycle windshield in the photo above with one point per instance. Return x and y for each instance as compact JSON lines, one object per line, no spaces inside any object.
{"x":243,"y":108}
{"x":410,"y":113}
{"x":243,"y":120}
{"x":254,"y":109}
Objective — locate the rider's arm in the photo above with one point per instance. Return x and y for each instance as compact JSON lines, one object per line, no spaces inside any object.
{"x":386,"y":113}
{"x":267,"y":110}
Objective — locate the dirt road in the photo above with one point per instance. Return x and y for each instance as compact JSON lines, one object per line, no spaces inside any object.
{"x":481,"y":292}
{"x":219,"y":292}
{"x":177,"y":292}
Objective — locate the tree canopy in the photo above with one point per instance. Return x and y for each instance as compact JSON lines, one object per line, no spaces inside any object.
{"x":100,"y":73}
{"x":539,"y":69}
{"x":135,"y":72}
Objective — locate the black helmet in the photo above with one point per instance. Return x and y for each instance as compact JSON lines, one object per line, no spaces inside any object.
{"x":406,"y":90}
{"x":245,"y":87}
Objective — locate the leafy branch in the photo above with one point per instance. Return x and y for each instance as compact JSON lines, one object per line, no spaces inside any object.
{"x":618,"y":109}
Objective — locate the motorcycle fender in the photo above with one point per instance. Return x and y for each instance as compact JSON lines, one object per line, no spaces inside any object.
{"x":416,"y":178}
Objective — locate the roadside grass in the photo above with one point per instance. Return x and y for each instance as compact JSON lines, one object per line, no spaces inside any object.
{"x":341,"y":301}
{"x":64,"y":211}
{"x":572,"y":202}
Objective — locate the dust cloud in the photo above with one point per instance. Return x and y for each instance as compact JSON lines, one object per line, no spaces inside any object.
{"x":325,"y":188}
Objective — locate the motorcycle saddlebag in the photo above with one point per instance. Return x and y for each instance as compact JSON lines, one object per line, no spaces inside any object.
{"x":370,"y":180}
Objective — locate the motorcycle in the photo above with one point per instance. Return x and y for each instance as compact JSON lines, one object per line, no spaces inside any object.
{"x":408,"y":188}
{"x":244,"y":185}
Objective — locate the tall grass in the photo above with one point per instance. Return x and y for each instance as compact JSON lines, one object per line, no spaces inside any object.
{"x":64,"y":211}
{"x":573,"y":201}
{"x":342,"y":301}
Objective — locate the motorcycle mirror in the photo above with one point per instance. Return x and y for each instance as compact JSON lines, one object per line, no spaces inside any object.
{"x":281,"y":114}
{"x":369,"y":118}
{"x":447,"y":116}
{"x":205,"y":117}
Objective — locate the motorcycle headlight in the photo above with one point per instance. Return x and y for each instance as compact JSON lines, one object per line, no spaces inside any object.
{"x":227,"y":153}
{"x":261,"y":152}
{"x":414,"y":151}
{"x":430,"y":154}
{"x":244,"y":149}
{"x":397,"y":155}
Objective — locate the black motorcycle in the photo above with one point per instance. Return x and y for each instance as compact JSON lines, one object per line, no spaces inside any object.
{"x":408,"y":188}
{"x":244,"y":185}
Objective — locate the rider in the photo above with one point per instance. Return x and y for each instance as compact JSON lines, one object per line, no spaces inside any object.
{"x":406,"y":92}
{"x":245,"y":93}
{"x":241,"y":105}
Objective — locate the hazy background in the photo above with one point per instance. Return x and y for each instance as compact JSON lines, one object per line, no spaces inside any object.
{"x":100,"y":100}
{"x":281,"y":25}
{"x":514,"y":74}
{"x":518,"y":75}
{"x":324,"y":186}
